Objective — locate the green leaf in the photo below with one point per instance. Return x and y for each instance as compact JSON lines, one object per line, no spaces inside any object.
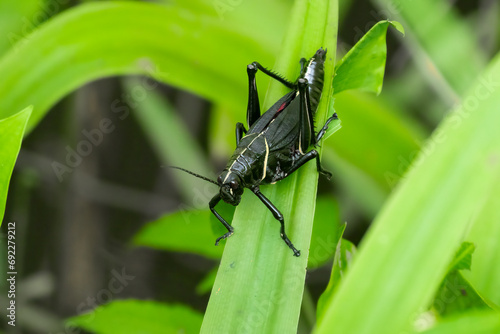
{"x":183,"y":231}
{"x":259,"y":285}
{"x":363,"y":66}
{"x":18,"y":18}
{"x":485,"y":233}
{"x":463,"y":257}
{"x":477,"y":322}
{"x":86,"y":43}
{"x":325,"y":231}
{"x":11,"y":134}
{"x":398,"y":26}
{"x":138,"y":316}
{"x":239,"y":16}
{"x":456,"y":295}
{"x":460,"y":164}
{"x":343,"y":257}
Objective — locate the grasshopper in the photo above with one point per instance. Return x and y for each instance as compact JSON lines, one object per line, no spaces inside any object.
{"x":276,"y":143}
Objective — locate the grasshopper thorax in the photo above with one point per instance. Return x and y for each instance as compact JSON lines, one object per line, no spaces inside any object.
{"x":231,"y":187}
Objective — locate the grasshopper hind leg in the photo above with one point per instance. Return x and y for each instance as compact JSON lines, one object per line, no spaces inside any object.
{"x":253,"y":108}
{"x":303,"y":158}
{"x":240,"y":131}
{"x":321,"y":132}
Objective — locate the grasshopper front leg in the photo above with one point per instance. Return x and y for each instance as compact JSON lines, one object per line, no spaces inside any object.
{"x":279,"y":216}
{"x":213,"y":202}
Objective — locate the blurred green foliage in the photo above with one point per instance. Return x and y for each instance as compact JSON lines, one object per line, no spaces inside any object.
{"x":137,"y":316}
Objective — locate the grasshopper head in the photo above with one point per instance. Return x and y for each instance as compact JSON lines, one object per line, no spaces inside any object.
{"x":231,"y":187}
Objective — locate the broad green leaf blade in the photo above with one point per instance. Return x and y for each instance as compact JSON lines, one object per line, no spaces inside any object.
{"x":343,"y":257}
{"x":478,"y":322}
{"x":325,"y":233}
{"x":363,"y":67}
{"x":259,"y":285}
{"x":18,"y":18}
{"x":485,"y":233}
{"x":138,"y":316}
{"x":417,"y":232}
{"x":456,"y":296}
{"x":183,"y":231}
{"x":84,"y":43}
{"x":11,"y":134}
{"x":239,"y":16}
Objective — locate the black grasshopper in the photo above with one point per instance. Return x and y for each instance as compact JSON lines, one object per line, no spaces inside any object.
{"x":276,"y":143}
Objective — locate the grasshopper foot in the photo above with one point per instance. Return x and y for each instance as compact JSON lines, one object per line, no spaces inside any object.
{"x":327,"y":174}
{"x":225,"y":236}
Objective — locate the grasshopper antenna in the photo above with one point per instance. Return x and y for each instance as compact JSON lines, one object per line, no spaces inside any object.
{"x":194,"y":174}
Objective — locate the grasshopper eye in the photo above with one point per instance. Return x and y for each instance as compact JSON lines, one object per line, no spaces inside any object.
{"x":234,"y":185}
{"x":219,"y":179}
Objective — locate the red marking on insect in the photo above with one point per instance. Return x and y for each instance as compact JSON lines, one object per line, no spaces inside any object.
{"x":282,"y":107}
